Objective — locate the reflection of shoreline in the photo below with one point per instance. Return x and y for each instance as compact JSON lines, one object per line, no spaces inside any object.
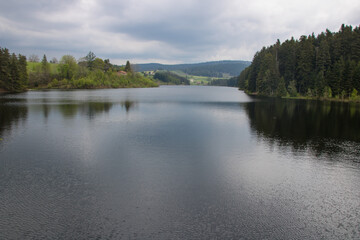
{"x":91,"y":109}
{"x":14,"y":110}
{"x":304,"y":123}
{"x":11,"y":114}
{"x":128,"y":105}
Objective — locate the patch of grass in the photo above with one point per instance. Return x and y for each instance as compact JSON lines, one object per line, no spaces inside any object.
{"x":36,"y":67}
{"x":196,"y":80}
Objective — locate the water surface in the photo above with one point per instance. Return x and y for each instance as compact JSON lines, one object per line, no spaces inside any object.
{"x":177,"y":163}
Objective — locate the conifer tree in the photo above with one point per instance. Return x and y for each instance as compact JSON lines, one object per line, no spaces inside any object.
{"x":5,"y":75}
{"x":128,"y":67}
{"x":90,"y":58}
{"x":14,"y":83}
{"x":23,"y":72}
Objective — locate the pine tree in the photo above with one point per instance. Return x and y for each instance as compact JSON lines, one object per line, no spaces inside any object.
{"x":305,"y":67}
{"x":287,"y":60}
{"x":45,"y":65}
{"x":347,"y":79}
{"x":24,"y":78}
{"x":355,"y":45}
{"x":45,"y":70}
{"x":90,"y":58}
{"x":356,"y":78}
{"x":5,"y":74}
{"x":14,"y":85}
{"x":128,"y":67}
{"x":336,"y":76}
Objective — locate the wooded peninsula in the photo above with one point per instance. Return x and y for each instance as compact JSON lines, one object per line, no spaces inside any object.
{"x":322,"y":67}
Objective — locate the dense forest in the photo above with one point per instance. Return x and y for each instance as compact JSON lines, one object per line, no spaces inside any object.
{"x":323,"y":66}
{"x":13,"y":72}
{"x":166,"y":77}
{"x":207,"y":69}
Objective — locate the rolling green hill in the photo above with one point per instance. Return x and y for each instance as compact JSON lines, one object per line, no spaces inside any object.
{"x":217,"y":69}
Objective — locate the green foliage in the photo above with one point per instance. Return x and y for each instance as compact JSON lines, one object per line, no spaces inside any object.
{"x":16,"y":74}
{"x":324,"y":66}
{"x":292,"y":89}
{"x":354,"y":95}
{"x":13,"y":71}
{"x":99,"y":79}
{"x":90,"y":58}
{"x":327,"y":92}
{"x":69,"y":74}
{"x":281,"y":88}
{"x":98,"y":64}
{"x":68,"y":67}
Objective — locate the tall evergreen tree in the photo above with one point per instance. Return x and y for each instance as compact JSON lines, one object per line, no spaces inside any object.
{"x":44,"y":64}
{"x":24,"y":78}
{"x":45,"y":70}
{"x":128,"y":67}
{"x":14,"y":84}
{"x":305,"y":64}
{"x":5,"y":74}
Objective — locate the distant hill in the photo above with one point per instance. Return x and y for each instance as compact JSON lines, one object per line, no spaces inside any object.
{"x":208,"y":69}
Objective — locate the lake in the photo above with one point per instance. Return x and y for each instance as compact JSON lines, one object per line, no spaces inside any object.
{"x":177,"y":162}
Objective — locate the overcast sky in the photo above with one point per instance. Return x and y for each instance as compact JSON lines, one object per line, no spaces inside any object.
{"x":165,"y":31}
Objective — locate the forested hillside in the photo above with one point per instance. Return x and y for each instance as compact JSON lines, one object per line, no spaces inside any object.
{"x":231,"y":82}
{"x":207,"y":69}
{"x":170,"y":78}
{"x":324,"y":66}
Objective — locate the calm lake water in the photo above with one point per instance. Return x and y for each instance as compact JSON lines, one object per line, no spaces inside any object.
{"x":177,"y":163}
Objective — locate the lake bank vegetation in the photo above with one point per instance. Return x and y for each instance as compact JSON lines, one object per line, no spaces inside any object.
{"x":89,"y":72}
{"x":326,"y":66}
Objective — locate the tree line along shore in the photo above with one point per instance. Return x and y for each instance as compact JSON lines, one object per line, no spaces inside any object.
{"x":326,"y":66}
{"x":18,"y":75}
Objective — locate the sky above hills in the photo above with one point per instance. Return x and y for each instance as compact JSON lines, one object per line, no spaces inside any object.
{"x":165,"y":31}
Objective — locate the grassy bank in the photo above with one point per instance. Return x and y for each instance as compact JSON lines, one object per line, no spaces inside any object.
{"x":196,"y":80}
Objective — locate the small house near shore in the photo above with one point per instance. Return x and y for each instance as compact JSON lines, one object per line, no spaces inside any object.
{"x":121,"y":73}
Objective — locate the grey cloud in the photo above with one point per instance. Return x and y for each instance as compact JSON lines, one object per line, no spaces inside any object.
{"x":168,"y":31}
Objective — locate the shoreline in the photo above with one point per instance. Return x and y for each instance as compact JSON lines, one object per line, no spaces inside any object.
{"x":322,"y":99}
